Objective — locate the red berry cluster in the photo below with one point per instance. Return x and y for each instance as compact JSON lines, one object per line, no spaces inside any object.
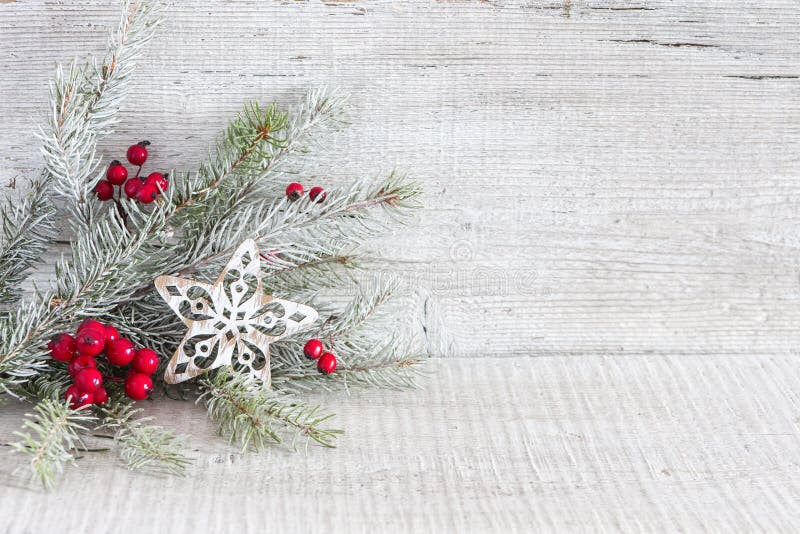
{"x":92,"y":339}
{"x":295,"y":190}
{"x":144,"y":190}
{"x":326,"y":361}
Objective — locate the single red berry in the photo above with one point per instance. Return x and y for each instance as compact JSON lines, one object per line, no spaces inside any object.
{"x":79,"y":363}
{"x":121,"y":351}
{"x":90,"y":342}
{"x":138,"y":386}
{"x":158,"y":180}
{"x":104,"y":190}
{"x":76,"y":398}
{"x":294,"y":191}
{"x":112,"y":334}
{"x":317,"y":194}
{"x":62,"y":347}
{"x":72,"y":391}
{"x":92,"y":324}
{"x":132,"y":186}
{"x":147,"y":193}
{"x":327,"y":363}
{"x":313,"y":348}
{"x":88,"y":380}
{"x":117,"y":173}
{"x":137,"y":154}
{"x":100,"y":395}
{"x":145,"y":361}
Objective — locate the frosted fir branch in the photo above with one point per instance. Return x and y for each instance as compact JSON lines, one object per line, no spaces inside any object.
{"x":106,"y":266}
{"x":372,"y":347}
{"x":109,"y":82}
{"x":363,"y":307}
{"x":84,"y":100}
{"x":321,"y":112}
{"x":255,"y":416}
{"x":302,"y":278}
{"x":387,"y":371}
{"x":23,"y":336}
{"x":27,"y":230}
{"x":254,"y":147}
{"x":50,"y":381}
{"x":49,"y":438}
{"x":256,"y":144}
{"x":245,"y":148}
{"x":302,"y":229}
{"x":143,"y":446}
{"x":349,"y":217}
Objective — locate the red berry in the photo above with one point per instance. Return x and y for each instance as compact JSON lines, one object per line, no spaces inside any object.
{"x":147,"y":193}
{"x":158,"y":180}
{"x":112,"y":334}
{"x":117,"y":173}
{"x":92,"y":324}
{"x":62,"y":347}
{"x":145,"y":361}
{"x":79,"y":363}
{"x":313,"y":348}
{"x":317,"y":194}
{"x":327,"y":363}
{"x":138,"y":386}
{"x":137,"y":154}
{"x":100,"y":395}
{"x":90,"y":342}
{"x":294,"y":191}
{"x":88,"y":380}
{"x":104,"y":190}
{"x":76,"y":398}
{"x":132,"y":186}
{"x":72,"y":391}
{"x":121,"y":351}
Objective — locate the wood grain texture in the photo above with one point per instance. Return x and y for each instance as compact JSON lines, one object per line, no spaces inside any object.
{"x":647,"y":443}
{"x":620,"y":177}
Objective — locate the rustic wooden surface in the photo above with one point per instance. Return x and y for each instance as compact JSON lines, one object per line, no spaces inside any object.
{"x":612,"y":185}
{"x":599,"y":443}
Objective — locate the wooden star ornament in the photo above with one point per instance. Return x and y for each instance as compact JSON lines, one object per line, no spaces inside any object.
{"x":231,"y":322}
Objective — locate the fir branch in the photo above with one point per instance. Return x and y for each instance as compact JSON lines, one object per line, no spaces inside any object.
{"x":254,"y":415}
{"x":50,"y":437}
{"x":391,"y":372}
{"x":372,"y":346}
{"x":106,"y":265}
{"x":245,"y":149}
{"x":302,"y":277}
{"x":144,"y":446}
{"x":255,"y":145}
{"x":84,"y":100}
{"x":347,"y":218}
{"x":363,"y":307}
{"x":27,"y":230}
{"x":110,"y":81}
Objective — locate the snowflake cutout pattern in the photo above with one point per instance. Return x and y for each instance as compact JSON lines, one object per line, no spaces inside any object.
{"x":231,"y":322}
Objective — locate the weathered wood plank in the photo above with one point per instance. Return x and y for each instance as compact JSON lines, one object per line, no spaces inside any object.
{"x":619,"y":177}
{"x":647,"y":443}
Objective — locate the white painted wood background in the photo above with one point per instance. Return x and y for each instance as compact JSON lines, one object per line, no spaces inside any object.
{"x":612,"y":185}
